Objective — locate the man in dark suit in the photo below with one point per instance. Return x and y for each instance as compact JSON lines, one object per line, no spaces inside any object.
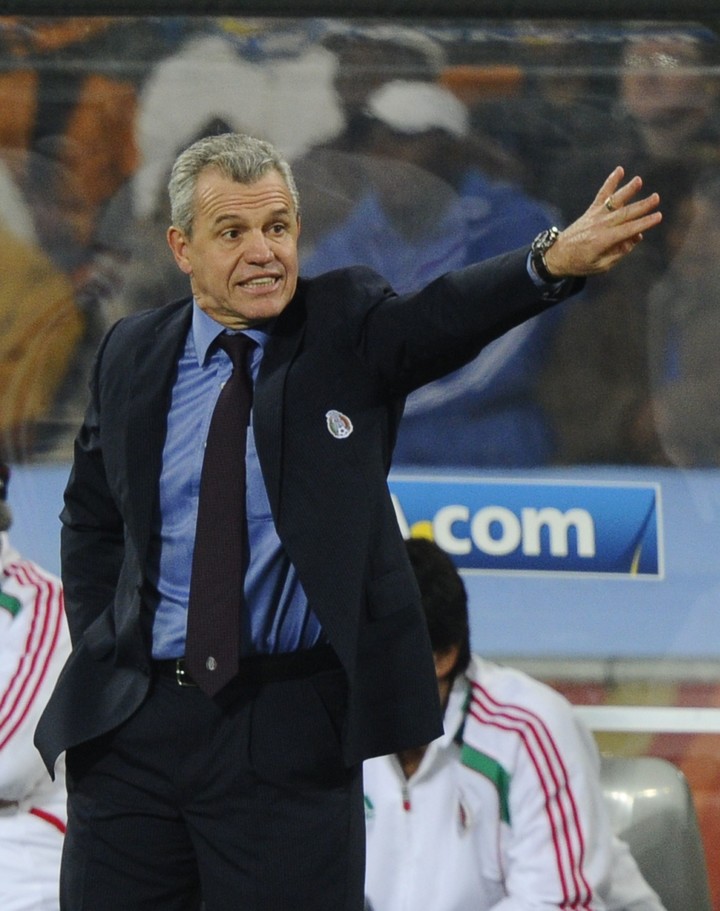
{"x":248,"y":795}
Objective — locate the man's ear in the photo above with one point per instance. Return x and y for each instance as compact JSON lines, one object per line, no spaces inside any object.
{"x":179,"y":244}
{"x":445,"y":661}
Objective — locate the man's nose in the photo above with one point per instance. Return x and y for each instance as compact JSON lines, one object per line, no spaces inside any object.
{"x":258,"y":248}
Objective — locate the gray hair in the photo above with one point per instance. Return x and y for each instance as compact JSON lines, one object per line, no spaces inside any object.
{"x":241,"y":158}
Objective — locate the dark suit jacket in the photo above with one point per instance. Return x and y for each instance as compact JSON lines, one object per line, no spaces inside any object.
{"x":345,"y":342}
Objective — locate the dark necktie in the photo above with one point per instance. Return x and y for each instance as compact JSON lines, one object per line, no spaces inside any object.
{"x":216,"y":600}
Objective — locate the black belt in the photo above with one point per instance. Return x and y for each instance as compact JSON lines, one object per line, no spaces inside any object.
{"x":260,"y":668}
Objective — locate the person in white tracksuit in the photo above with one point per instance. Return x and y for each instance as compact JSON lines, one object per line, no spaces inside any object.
{"x":34,"y":643}
{"x":505,"y":810}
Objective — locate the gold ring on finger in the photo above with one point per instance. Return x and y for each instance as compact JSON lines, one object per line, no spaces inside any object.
{"x":609,"y":204}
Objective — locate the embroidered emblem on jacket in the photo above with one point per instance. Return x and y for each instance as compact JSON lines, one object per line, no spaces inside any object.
{"x":339,"y":424}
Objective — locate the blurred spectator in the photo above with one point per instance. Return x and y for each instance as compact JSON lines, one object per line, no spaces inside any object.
{"x":612,"y":371}
{"x":505,"y":810}
{"x":69,"y":87}
{"x":684,"y":332}
{"x":368,"y":57}
{"x":331,"y":176}
{"x":561,"y":122}
{"x":595,"y":383}
{"x":427,"y":207}
{"x":41,"y":328}
{"x":669,"y":90}
{"x":34,"y":643}
{"x":68,"y":152}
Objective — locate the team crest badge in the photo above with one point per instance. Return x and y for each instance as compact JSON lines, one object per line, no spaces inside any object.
{"x":339,"y":424}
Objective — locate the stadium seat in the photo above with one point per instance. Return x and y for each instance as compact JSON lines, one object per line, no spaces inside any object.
{"x":652,"y":810}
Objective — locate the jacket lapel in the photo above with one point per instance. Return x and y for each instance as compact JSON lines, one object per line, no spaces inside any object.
{"x":269,"y":396}
{"x":153,"y":371}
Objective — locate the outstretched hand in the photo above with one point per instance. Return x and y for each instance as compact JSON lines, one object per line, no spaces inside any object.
{"x":607,"y":231}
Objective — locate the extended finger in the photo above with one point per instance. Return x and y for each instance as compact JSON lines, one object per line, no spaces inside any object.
{"x":635,"y":226}
{"x":610,"y":185}
{"x":625,"y":193}
{"x":634,"y":210}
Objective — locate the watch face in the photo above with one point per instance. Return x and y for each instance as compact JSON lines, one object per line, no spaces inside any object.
{"x":545,"y":240}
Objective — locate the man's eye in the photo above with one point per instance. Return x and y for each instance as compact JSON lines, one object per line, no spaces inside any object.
{"x":231,"y":233}
{"x":278,"y":229}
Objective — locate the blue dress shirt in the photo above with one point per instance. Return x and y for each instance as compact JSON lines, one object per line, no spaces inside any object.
{"x":277,"y":617}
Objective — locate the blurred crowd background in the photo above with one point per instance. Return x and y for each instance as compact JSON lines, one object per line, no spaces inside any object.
{"x":416,"y":149}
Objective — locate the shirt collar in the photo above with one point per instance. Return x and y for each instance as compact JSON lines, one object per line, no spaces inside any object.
{"x":205,"y":330}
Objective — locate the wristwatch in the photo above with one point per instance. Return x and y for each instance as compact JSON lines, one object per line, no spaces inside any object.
{"x":539,"y":248}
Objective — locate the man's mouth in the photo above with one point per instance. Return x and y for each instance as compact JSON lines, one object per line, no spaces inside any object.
{"x":264,"y":281}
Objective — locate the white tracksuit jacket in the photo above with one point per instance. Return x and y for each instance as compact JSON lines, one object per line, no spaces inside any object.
{"x":505,"y":811}
{"x":34,"y":643}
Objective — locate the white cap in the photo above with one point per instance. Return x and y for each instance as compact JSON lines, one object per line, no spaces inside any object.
{"x":415,"y":107}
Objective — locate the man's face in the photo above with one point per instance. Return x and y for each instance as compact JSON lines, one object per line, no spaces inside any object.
{"x":665,"y":88}
{"x":242,"y":256}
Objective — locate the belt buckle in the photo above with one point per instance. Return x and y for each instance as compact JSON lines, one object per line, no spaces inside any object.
{"x":182,"y":678}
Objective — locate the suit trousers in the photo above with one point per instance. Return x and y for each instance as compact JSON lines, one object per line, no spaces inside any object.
{"x":237,"y":803}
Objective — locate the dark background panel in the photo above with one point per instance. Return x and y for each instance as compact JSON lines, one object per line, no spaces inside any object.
{"x":588,"y":9}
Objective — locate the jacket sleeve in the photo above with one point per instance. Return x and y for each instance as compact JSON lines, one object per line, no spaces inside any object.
{"x":34,"y":644}
{"x":414,"y":339}
{"x":92,"y":534}
{"x":555,"y":842}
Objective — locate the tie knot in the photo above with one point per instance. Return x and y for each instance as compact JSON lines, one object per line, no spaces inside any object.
{"x":237,"y":347}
